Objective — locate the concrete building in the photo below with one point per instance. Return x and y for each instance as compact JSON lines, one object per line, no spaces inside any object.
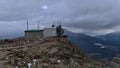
{"x":40,"y":34}
{"x":34,"y":34}
{"x":50,"y":32}
{"x":45,"y":33}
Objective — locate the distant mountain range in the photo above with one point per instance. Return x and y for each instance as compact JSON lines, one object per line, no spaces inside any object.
{"x":99,"y":47}
{"x":111,"y":37}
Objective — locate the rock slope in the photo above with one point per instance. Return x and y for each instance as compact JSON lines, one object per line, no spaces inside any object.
{"x":49,"y":53}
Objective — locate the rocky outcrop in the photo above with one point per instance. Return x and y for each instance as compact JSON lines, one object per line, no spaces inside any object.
{"x":115,"y":63}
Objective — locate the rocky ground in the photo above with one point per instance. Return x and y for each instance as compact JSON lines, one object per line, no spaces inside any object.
{"x":50,"y":53}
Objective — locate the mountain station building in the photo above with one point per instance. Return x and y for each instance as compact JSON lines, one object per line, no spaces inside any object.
{"x":45,"y":33}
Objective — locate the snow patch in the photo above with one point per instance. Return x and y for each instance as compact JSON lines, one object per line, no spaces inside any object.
{"x":29,"y":65}
{"x":58,"y":61}
{"x":16,"y":66}
{"x":99,"y":44}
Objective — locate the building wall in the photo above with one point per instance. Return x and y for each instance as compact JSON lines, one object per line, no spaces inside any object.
{"x":34,"y":35}
{"x":49,"y":32}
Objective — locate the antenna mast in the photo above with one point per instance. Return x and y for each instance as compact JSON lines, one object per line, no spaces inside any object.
{"x":27,"y":25}
{"x":57,"y":22}
{"x":60,"y":23}
{"x":38,"y":25}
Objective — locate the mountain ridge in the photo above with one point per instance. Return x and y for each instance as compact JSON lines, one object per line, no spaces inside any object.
{"x":50,"y":53}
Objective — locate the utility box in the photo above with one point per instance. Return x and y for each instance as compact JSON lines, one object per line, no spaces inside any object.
{"x":50,"y":32}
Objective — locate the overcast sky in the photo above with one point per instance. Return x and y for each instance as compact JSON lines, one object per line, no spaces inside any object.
{"x":88,"y":16}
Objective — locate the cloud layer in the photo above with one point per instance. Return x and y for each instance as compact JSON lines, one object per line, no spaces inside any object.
{"x":88,"y":16}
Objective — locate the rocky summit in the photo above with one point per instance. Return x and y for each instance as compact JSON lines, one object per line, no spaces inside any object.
{"x":49,"y":53}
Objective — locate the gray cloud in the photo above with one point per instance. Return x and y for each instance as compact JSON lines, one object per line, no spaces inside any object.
{"x":81,"y":15}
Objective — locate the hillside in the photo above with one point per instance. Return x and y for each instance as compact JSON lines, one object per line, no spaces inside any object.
{"x":48,"y":53}
{"x":95,"y":47}
{"x":111,"y":37}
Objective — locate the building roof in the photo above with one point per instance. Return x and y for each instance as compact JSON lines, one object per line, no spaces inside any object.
{"x":33,"y":30}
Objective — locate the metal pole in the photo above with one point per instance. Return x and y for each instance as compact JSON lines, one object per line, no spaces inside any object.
{"x":38,"y":25}
{"x":27,"y":25}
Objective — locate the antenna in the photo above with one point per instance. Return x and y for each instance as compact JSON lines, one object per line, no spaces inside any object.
{"x":38,"y":25}
{"x":27,"y":25}
{"x":54,"y":23}
{"x":60,"y":23}
{"x":57,"y":22}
